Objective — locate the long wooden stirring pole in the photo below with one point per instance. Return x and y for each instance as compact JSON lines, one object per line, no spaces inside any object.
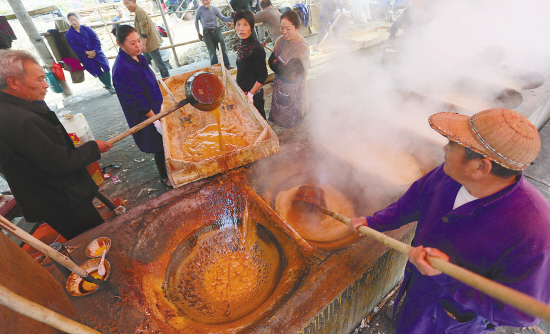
{"x":53,"y":254}
{"x":40,"y":313}
{"x":507,"y":295}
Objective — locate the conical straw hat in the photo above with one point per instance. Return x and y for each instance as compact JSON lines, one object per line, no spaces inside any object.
{"x":501,"y":135}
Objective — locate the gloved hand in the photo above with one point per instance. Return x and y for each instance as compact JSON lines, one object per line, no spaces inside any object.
{"x":275,"y":64}
{"x":200,"y":36}
{"x":158,"y":126}
{"x":250,"y":97}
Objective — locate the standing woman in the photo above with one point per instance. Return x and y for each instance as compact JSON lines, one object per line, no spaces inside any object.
{"x":289,"y":61}
{"x":139,"y":95}
{"x":83,"y":40}
{"x":251,"y":68}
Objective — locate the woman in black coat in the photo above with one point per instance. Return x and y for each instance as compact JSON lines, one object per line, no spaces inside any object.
{"x":251,"y":67}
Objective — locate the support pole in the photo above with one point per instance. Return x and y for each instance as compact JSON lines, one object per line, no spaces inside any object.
{"x":36,"y":39}
{"x":107,"y":28}
{"x":168,"y":32}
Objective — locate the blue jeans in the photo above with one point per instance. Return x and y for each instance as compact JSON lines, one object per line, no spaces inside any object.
{"x":155,"y":55}
{"x":213,"y":37}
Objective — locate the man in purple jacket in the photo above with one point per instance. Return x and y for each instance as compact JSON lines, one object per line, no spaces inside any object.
{"x":477,"y":211}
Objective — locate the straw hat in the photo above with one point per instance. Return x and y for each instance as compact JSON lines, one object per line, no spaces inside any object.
{"x":501,"y":135}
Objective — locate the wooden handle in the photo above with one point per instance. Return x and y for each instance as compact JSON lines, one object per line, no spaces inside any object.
{"x":147,"y":122}
{"x":55,"y":255}
{"x":38,"y":312}
{"x":39,"y":245}
{"x":505,"y":294}
{"x":329,"y":29}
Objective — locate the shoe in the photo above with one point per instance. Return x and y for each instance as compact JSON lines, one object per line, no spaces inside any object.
{"x":167,"y":182}
{"x":230,"y":67}
{"x":111,"y":90}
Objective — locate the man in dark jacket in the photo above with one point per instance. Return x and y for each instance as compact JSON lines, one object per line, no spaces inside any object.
{"x":44,"y":170}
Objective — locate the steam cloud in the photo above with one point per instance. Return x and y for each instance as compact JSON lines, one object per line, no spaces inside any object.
{"x":475,"y":54}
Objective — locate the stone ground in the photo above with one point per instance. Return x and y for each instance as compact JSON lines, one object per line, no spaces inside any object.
{"x":140,"y":181}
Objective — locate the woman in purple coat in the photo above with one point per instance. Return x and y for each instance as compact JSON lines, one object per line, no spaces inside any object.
{"x":87,"y":47}
{"x":139,"y":95}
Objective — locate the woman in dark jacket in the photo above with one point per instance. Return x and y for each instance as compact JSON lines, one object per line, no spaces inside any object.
{"x":85,"y":43}
{"x":251,"y":67}
{"x":139,"y":94}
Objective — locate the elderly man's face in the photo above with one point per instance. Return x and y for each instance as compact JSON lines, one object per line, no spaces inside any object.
{"x":456,"y":165}
{"x":206,"y":3}
{"x":130,"y":5}
{"x":33,"y":86}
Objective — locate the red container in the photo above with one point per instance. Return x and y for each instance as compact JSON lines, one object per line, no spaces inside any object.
{"x":95,"y":173}
{"x":47,"y":235}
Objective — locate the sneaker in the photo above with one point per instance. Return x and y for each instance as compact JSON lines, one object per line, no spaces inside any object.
{"x":111,"y":90}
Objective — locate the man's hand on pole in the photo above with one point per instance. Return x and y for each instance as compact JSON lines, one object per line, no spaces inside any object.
{"x":356,"y":222}
{"x":103,"y":145}
{"x":417,"y":256}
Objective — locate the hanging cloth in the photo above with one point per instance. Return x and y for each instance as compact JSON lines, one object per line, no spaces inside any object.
{"x":6,"y":28}
{"x":304,"y":13}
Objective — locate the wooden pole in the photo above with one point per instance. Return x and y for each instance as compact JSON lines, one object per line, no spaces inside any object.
{"x":507,"y":295}
{"x":53,"y":254}
{"x":168,"y":32}
{"x":107,"y":28}
{"x":40,"y":313}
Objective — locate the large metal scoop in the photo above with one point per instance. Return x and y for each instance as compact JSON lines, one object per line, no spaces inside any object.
{"x":203,"y":90}
{"x":311,"y":197}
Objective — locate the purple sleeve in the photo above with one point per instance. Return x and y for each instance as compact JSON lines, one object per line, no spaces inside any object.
{"x":221,"y":17}
{"x":130,"y":91}
{"x":71,"y":37}
{"x":96,"y":44}
{"x":405,"y":210}
{"x":522,"y":271}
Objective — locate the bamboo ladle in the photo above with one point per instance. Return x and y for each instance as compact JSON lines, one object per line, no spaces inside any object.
{"x":309,"y":197}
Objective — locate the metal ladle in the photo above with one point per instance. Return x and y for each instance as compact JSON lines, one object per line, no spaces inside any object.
{"x":203,"y":90}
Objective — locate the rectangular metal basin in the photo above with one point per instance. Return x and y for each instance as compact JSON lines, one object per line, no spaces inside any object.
{"x":235,"y":110}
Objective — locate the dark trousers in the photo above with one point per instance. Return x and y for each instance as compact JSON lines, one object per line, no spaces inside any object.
{"x":160,"y":161}
{"x":76,"y":221}
{"x":259,"y":102}
{"x":213,"y":37}
{"x":156,"y":57}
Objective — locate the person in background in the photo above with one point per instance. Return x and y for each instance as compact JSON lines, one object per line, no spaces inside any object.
{"x":413,"y":17}
{"x":271,"y":18}
{"x":150,"y":37}
{"x":251,"y":67}
{"x":211,"y":33}
{"x":85,"y":43}
{"x":119,"y":16}
{"x":139,"y":95}
{"x":478,"y":211}
{"x":290,"y":62}
{"x":239,"y":5}
{"x":45,"y":171}
{"x":328,"y":16}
